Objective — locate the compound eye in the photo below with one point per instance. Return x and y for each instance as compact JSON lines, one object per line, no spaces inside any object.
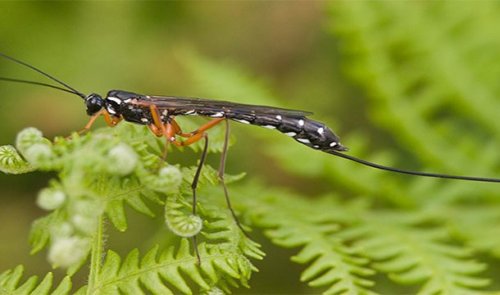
{"x":94,"y":103}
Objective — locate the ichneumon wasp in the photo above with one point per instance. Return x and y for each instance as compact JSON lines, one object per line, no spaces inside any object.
{"x":158,"y":114}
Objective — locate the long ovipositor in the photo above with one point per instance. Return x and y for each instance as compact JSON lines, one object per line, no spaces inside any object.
{"x":158,"y":113}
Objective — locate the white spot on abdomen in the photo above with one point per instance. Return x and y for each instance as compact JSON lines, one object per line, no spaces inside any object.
{"x":279,"y":117}
{"x":269,"y":126}
{"x":303,"y":140}
{"x":291,"y":134}
{"x":333,"y":143}
{"x":242,"y":121}
{"x":301,"y":122}
{"x":217,"y":115}
{"x":321,"y":130}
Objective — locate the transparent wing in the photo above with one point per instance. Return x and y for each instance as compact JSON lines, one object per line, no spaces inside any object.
{"x":184,"y":104}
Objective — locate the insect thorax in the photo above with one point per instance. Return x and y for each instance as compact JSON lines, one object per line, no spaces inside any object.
{"x":120,"y":103}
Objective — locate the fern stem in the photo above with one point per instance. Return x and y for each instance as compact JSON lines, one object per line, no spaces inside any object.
{"x":96,"y":255}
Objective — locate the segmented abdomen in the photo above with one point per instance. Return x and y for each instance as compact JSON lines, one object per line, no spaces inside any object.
{"x":306,"y":131}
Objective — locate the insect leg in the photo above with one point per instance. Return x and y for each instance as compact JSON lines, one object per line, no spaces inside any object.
{"x":91,"y":122}
{"x":110,"y":121}
{"x":193,"y":137}
{"x":200,"y":130}
{"x":178,"y":129}
{"x":155,"y":130}
{"x":156,"y":116}
{"x":160,"y":129}
{"x":196,"y":178}
{"x":220,"y":174}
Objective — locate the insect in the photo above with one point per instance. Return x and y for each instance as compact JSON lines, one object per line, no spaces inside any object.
{"x":158,"y":113}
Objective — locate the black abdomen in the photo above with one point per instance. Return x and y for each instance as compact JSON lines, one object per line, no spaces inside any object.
{"x":306,"y":131}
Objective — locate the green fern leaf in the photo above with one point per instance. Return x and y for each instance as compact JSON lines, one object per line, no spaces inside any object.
{"x":12,"y":162}
{"x":330,"y":262}
{"x":414,"y":255}
{"x":10,"y":283}
{"x":477,"y":226}
{"x":411,"y":80}
{"x":169,"y":272}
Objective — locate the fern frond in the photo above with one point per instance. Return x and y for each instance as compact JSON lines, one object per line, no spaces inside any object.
{"x":11,"y":162}
{"x":411,"y":254}
{"x":477,"y":226}
{"x":221,"y":231}
{"x":179,"y":218}
{"x":11,"y":283}
{"x":298,"y":223}
{"x":169,"y":272}
{"x":415,"y":80}
{"x":89,"y":189}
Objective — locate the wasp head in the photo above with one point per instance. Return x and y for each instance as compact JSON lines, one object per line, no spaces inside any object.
{"x":94,"y":103}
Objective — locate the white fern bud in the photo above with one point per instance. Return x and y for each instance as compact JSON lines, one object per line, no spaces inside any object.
{"x":27,"y":137}
{"x":85,"y":214}
{"x":66,"y":252}
{"x":123,"y":159}
{"x":39,"y":154}
{"x":50,"y":198}
{"x":61,"y":230}
{"x":34,"y":147}
{"x":167,"y":181}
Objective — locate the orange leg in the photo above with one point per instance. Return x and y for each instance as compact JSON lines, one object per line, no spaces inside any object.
{"x":160,"y":129}
{"x":156,"y":116}
{"x":195,"y":135}
{"x":206,"y":126}
{"x":156,"y":131}
{"x":110,"y":121}
{"x":177,"y":129}
{"x":190,"y":140}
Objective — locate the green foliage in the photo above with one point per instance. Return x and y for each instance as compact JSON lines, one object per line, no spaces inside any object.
{"x":168,"y":272}
{"x":99,"y":174}
{"x":410,"y":254}
{"x":10,"y":283}
{"x":314,"y":228}
{"x":12,"y":162}
{"x":421,"y":88}
{"x":428,"y":72}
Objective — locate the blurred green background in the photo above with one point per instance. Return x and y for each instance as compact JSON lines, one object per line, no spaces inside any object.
{"x":409,"y":80}
{"x":150,"y":47}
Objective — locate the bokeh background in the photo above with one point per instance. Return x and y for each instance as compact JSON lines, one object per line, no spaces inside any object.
{"x":416,"y":81}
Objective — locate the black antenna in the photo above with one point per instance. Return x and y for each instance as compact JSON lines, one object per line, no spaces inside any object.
{"x":74,"y":91}
{"x":424,"y":174}
{"x":36,"y":83}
